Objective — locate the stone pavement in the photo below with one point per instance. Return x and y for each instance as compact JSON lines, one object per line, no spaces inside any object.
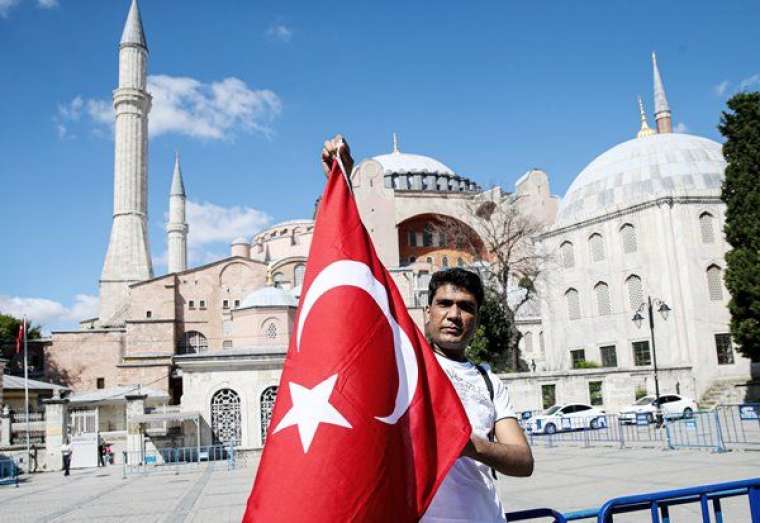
{"x":566,"y":478}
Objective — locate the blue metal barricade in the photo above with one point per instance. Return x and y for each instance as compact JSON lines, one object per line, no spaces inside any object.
{"x":740,"y":424}
{"x":702,"y":430}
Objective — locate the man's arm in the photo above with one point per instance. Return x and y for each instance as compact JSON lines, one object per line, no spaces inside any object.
{"x":510,"y":454}
{"x":331,"y":148}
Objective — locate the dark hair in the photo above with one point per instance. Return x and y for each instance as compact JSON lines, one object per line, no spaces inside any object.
{"x":457,"y":277}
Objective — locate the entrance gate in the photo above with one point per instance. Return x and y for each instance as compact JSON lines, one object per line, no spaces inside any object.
{"x":83,"y":430}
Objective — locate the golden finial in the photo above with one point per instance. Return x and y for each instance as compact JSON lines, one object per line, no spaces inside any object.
{"x":645,"y":129}
{"x":395,"y":143}
{"x":269,"y":276}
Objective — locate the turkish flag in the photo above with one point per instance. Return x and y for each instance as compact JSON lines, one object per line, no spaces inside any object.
{"x":20,"y":336}
{"x":366,"y":424}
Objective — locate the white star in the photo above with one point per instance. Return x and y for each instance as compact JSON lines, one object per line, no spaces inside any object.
{"x":310,"y":408}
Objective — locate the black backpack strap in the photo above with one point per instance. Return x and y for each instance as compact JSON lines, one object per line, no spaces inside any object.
{"x":489,"y":386}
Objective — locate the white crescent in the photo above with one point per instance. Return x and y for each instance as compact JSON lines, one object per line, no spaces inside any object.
{"x":356,"y":274}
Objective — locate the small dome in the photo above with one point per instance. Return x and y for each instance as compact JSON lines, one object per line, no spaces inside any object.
{"x":269,"y":297}
{"x":403,"y":163}
{"x":641,"y":170}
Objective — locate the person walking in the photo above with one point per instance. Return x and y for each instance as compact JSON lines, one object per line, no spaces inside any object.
{"x":66,"y":452}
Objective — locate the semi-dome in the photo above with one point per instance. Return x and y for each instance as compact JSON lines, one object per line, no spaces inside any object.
{"x":641,"y":170}
{"x":405,"y":163}
{"x":269,"y":297}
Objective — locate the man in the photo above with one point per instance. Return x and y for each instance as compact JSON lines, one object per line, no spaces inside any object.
{"x":467,"y":493}
{"x":66,"y":452}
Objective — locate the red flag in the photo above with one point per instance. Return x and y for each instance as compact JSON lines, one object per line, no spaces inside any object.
{"x":366,"y":424}
{"x":20,"y":336}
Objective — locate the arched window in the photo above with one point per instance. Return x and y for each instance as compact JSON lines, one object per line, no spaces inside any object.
{"x":270,"y":330}
{"x":597,"y":247}
{"x":445,"y":262}
{"x":706,"y":227}
{"x":427,"y":236}
{"x":279,"y":281}
{"x":528,"y":342}
{"x":298,"y":273}
{"x":267,"y":404}
{"x":568,"y":257}
{"x":225,"y":417}
{"x":429,"y":260}
{"x":460,"y":262}
{"x":602,"y":292}
{"x":573,"y":304}
{"x":628,"y":235}
{"x":193,"y":342}
{"x":715,"y":283}
{"x":635,"y":291}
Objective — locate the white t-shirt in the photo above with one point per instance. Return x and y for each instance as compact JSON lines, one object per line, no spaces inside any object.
{"x":468,"y":493}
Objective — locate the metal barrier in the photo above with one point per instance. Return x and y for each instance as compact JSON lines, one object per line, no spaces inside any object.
{"x":658,"y":504}
{"x":178,"y":459}
{"x":9,"y":471}
{"x":701,"y":430}
{"x":740,"y":423}
{"x":607,"y":428}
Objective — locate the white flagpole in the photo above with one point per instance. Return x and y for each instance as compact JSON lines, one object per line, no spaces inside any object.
{"x":26,"y":400}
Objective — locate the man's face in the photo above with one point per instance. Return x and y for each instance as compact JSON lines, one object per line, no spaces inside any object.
{"x":452,"y":317}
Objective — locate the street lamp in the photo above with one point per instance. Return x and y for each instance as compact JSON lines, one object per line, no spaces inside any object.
{"x":638,"y":319}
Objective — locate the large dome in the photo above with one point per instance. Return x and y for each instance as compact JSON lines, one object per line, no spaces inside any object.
{"x":269,"y":297}
{"x":641,"y":170}
{"x":403,"y":163}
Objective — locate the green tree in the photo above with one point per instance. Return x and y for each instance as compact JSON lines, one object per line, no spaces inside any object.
{"x":493,"y":339}
{"x":9,"y":326}
{"x":740,"y":125}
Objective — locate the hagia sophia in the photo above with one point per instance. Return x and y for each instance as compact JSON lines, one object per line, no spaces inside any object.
{"x":642,"y":220}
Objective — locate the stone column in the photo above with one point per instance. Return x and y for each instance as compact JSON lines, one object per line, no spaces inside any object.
{"x":56,"y":413}
{"x":5,"y":427}
{"x":135,"y":407}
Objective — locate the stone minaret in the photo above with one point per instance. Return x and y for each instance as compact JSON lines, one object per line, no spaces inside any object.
{"x":128,"y":257}
{"x":177,"y":227}
{"x":661,"y":107}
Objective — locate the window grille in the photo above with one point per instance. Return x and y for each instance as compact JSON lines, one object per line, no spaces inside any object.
{"x":706,"y":227}
{"x":628,"y":234}
{"x":573,"y":304}
{"x":714,"y":283}
{"x":225,"y":417}
{"x":298,"y":274}
{"x":412,"y":239}
{"x":597,"y":247}
{"x":577,"y":356}
{"x":268,"y":398}
{"x":193,"y":342}
{"x":271,"y":330}
{"x":595,"y":393}
{"x":641,"y":355}
{"x":427,"y":236}
{"x":602,"y":291}
{"x":445,"y":262}
{"x":609,"y":356}
{"x":528,"y":343}
{"x":635,"y":291}
{"x":724,"y":348}
{"x":460,"y":262}
{"x":568,"y":257}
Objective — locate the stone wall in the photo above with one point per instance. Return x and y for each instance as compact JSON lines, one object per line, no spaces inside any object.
{"x":77,"y":359}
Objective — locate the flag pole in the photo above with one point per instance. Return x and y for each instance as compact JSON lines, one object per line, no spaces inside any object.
{"x":26,"y":399}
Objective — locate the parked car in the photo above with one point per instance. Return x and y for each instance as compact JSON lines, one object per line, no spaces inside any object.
{"x":570,"y":416}
{"x":672,"y":405}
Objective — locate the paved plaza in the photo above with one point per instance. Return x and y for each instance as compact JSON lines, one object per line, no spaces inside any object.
{"x":566,"y":478}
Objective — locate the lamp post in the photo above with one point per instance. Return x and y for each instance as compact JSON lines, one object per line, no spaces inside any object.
{"x":638,"y":319}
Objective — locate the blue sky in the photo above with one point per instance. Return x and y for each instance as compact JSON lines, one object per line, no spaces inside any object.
{"x":247,"y":92}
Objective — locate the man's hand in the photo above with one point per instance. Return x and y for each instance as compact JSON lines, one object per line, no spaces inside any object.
{"x":336,"y":145}
{"x":510,"y":454}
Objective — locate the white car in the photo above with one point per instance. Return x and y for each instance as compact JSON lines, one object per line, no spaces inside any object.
{"x":570,"y":416}
{"x":672,"y":405}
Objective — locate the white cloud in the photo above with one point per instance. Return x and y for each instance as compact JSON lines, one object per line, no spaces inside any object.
{"x":48,"y":313}
{"x":750,"y":83}
{"x":183,"y":105}
{"x":47,"y":4}
{"x":680,"y":127}
{"x":6,"y":6}
{"x":280,"y":32}
{"x":212,"y":229}
{"x":722,"y":87}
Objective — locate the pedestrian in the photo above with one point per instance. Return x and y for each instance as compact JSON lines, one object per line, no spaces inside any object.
{"x":101,"y":451}
{"x":66,"y":452}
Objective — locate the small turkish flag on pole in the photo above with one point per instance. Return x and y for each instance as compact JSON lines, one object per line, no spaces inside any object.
{"x":20,"y":336}
{"x":366,"y":424}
